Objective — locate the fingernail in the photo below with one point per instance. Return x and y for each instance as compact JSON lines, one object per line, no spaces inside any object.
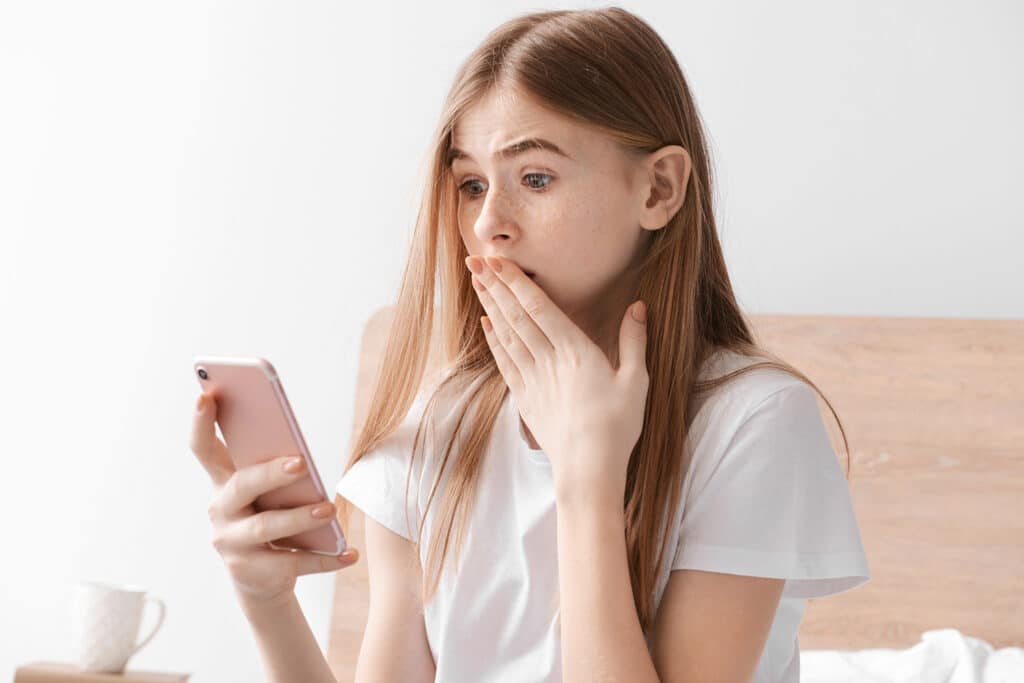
{"x":324,"y":510}
{"x":494,"y":263}
{"x":639,"y":312}
{"x":474,"y":264}
{"x":200,"y":404}
{"x":294,"y":465}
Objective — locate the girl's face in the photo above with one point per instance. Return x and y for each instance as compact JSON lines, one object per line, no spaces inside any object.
{"x":572,"y":216}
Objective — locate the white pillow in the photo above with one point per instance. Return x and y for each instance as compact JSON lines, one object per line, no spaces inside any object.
{"x":942,"y":656}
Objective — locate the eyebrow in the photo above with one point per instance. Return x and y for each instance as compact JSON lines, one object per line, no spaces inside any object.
{"x":512,"y":150}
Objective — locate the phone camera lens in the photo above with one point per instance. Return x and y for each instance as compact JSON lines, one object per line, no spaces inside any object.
{"x":202,"y":373}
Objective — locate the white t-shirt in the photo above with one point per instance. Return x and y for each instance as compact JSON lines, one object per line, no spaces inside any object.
{"x":765,"y":495}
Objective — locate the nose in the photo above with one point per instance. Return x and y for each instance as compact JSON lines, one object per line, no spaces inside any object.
{"x":496,"y":220}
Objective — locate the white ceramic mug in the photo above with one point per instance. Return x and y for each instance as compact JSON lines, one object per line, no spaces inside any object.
{"x":105,"y":624}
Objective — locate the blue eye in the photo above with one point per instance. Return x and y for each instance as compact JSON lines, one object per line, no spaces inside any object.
{"x":538,"y":188}
{"x":538,"y":175}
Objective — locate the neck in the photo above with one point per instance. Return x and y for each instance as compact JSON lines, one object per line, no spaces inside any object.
{"x":601,"y":321}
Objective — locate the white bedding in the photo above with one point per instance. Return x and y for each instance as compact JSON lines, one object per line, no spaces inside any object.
{"x":942,"y":656}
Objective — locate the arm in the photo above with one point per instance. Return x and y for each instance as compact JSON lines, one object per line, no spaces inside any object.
{"x":394,"y":646}
{"x":286,"y":643}
{"x":713,"y":624}
{"x":601,"y":635}
{"x":709,"y":627}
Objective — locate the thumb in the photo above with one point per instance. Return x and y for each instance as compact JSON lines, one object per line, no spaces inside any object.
{"x":633,"y":338}
{"x":315,"y":563}
{"x":211,"y":452}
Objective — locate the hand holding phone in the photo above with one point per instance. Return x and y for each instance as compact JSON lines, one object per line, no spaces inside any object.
{"x":259,"y":507}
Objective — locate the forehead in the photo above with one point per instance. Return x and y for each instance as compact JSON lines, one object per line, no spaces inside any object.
{"x":504,"y":116}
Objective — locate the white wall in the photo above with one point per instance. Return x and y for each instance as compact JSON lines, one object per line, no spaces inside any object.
{"x":239,"y":178}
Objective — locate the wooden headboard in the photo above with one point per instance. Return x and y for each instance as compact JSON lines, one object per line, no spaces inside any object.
{"x":934,"y":413}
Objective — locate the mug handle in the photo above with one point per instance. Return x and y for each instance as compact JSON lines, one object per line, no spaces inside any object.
{"x":159,"y":620}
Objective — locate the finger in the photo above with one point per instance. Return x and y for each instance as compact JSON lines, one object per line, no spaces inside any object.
{"x":509,"y":372}
{"x":552,"y":322}
{"x":272,"y":525}
{"x":633,"y":339}
{"x":248,"y":483}
{"x":515,"y":312}
{"x":208,"y":449}
{"x":508,"y":339}
{"x":300,"y":562}
{"x":314,"y":563}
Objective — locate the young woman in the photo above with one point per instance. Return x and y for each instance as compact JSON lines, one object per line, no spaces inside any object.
{"x":612,"y":480}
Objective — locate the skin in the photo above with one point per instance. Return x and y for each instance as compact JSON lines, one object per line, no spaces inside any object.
{"x":578,"y":222}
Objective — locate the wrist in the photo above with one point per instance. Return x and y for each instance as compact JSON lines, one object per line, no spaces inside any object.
{"x":258,"y":610}
{"x":589,"y":493}
{"x":590,"y":499}
{"x":584,"y":516}
{"x":584,"y":481}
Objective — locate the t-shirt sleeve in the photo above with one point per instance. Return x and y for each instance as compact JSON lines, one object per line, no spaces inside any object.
{"x":376,"y":483}
{"x":775,"y":502}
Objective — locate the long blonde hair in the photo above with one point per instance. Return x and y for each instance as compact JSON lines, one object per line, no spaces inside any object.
{"x":608,"y":69}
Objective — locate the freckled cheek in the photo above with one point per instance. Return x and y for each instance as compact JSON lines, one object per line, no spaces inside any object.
{"x":595,"y":243}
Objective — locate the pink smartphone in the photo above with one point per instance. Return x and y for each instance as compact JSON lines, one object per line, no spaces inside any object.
{"x":258,"y":425}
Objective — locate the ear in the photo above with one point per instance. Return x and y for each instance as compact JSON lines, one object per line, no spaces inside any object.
{"x":667,"y":172}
